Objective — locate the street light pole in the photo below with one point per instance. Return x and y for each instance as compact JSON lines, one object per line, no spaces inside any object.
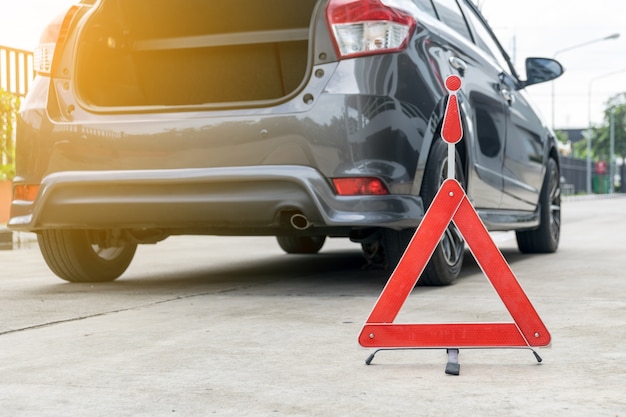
{"x":569,"y":48}
{"x":589,"y":121}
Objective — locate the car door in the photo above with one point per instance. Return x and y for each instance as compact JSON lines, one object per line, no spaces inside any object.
{"x":523,"y":153}
{"x":480,"y":73}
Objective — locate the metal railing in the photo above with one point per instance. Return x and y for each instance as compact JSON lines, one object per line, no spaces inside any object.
{"x":573,"y":173}
{"x":16,"y":70}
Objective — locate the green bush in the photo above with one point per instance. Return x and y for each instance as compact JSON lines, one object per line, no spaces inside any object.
{"x":9,"y":105}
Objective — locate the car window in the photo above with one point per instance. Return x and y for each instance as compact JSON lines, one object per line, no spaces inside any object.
{"x":450,"y":14}
{"x":484,"y":40}
{"x":426,"y":6}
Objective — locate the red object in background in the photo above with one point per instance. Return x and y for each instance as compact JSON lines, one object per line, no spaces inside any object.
{"x":600,"y":167}
{"x":5,"y":200}
{"x":451,"y":204}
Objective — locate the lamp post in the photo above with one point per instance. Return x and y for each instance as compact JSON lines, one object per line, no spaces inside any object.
{"x":569,"y":48}
{"x":608,"y":74}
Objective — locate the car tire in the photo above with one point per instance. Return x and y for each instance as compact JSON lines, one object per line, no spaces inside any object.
{"x":79,"y":255}
{"x":545,"y":239}
{"x":447,"y":259}
{"x":301,"y":244}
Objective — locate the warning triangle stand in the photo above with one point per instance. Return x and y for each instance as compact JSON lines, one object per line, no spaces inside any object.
{"x":451,"y":204}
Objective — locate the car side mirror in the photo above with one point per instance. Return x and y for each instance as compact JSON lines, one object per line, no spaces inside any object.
{"x":540,"y":70}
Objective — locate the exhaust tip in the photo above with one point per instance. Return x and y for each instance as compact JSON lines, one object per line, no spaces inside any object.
{"x":299,"y":221}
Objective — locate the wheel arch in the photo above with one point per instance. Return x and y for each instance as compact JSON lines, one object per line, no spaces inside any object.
{"x":435,"y":124}
{"x":552,"y":153}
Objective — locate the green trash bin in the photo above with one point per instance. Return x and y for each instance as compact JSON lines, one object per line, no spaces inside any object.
{"x":600,"y":184}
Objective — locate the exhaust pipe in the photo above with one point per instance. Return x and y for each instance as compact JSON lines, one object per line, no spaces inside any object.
{"x":299,"y":221}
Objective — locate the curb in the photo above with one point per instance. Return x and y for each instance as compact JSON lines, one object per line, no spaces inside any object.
{"x":588,"y":197}
{"x":6,"y":238}
{"x":10,"y":240}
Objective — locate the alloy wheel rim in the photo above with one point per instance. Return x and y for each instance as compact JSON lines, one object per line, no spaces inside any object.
{"x":452,"y":242}
{"x":106,"y":253}
{"x":555,"y":204}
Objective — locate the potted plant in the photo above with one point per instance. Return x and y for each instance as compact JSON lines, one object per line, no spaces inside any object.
{"x":9,"y":105}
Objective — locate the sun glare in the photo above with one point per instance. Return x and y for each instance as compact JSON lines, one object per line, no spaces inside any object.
{"x":21,"y":21}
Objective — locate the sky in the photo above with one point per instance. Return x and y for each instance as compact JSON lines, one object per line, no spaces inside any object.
{"x":21,"y":21}
{"x":546,"y":28}
{"x":525,"y":28}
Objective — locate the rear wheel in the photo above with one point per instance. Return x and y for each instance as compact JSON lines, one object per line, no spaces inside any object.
{"x":85,"y":255}
{"x":545,"y":239}
{"x":301,"y":244}
{"x":446,"y":262}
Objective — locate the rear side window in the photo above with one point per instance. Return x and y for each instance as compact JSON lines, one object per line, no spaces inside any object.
{"x":485,"y":41}
{"x":450,"y":14}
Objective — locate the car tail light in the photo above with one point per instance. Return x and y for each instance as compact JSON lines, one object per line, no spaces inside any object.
{"x":364,"y":27}
{"x":360,"y":186}
{"x":51,"y":42}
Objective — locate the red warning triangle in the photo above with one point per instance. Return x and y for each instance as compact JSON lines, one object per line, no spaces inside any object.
{"x":452,"y":205}
{"x":451,"y":129}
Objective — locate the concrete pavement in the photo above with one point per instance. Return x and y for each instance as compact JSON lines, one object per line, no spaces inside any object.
{"x":232,"y":327}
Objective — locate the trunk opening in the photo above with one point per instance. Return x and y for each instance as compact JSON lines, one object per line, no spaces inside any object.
{"x":192,"y":52}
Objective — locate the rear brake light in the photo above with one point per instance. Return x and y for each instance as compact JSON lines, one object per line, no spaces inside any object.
{"x":360,"y":186}
{"x":364,"y":27}
{"x":52,"y":39}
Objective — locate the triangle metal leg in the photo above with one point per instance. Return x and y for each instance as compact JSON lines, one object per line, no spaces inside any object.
{"x":453,"y":367}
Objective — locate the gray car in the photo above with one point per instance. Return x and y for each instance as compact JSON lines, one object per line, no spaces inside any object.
{"x":297,"y":119}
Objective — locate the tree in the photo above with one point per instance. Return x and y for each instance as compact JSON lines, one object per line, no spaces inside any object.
{"x":601,"y":135}
{"x":9,"y":104}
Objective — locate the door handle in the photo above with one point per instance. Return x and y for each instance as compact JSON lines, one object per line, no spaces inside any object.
{"x":507,"y":95}
{"x":458,"y":64}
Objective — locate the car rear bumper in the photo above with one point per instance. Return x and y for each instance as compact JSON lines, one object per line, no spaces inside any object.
{"x":237,"y":200}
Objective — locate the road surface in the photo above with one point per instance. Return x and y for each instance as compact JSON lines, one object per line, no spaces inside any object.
{"x":220,"y":326}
